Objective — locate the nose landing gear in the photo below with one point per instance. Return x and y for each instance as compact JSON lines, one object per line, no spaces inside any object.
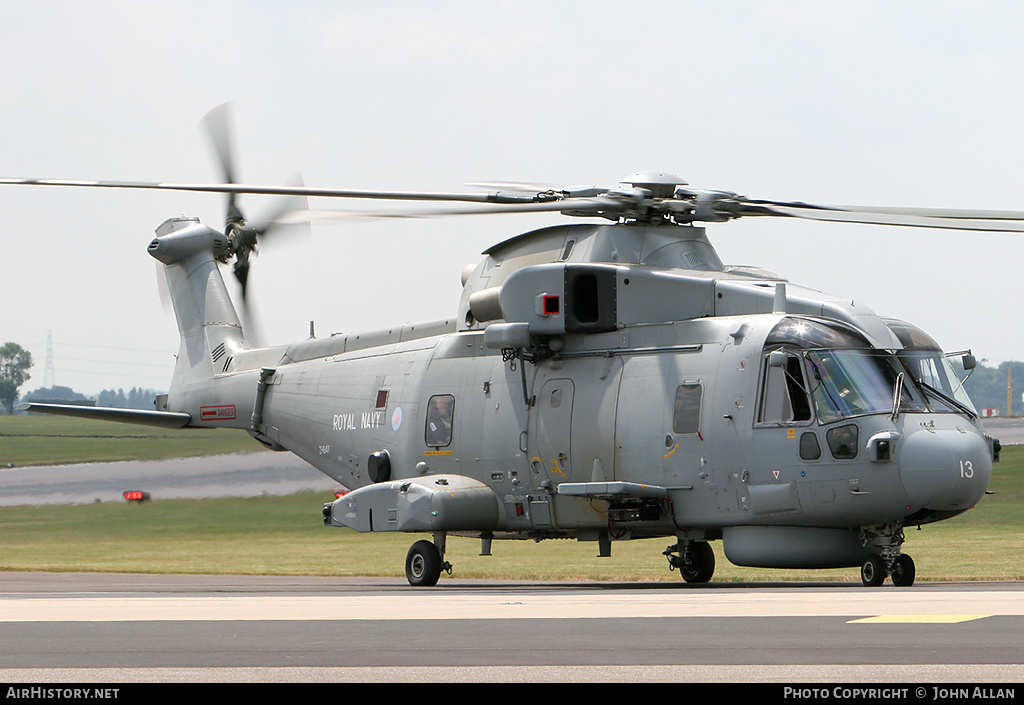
{"x":890,"y":561}
{"x":901,"y":570}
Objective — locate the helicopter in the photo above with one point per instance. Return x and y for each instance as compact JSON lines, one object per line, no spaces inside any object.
{"x":604,"y":381}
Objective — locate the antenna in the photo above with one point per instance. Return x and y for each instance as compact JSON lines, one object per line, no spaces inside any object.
{"x":48,"y":373}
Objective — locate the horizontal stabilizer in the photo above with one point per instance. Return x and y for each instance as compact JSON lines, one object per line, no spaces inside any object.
{"x":162,"y":419}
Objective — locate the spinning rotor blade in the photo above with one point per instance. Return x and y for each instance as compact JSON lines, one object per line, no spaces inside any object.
{"x":576,"y":206}
{"x":243,"y":236}
{"x":494,"y":197}
{"x":644,"y":197}
{"x":218,"y":130}
{"x":518,"y":186}
{"x":946,"y":218}
{"x":541,"y":191}
{"x":957,"y":213}
{"x":287,"y":219}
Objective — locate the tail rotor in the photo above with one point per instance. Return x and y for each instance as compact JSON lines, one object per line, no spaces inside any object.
{"x":244,"y":237}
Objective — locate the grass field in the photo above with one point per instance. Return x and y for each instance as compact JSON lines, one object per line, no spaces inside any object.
{"x":285,"y":536}
{"x":37,"y":439}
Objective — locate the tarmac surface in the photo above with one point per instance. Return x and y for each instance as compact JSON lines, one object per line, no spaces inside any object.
{"x":235,"y":475}
{"x":147,"y":628}
{"x":1009,"y":430}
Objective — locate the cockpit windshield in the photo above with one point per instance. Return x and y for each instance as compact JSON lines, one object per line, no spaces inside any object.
{"x":848,"y":383}
{"x":935,"y":375}
{"x":927,"y":364}
{"x":833,"y":369}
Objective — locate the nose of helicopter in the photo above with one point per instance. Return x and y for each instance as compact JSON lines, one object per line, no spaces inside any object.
{"x":945,"y":469}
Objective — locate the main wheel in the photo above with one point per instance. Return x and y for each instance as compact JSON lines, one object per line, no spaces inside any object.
{"x":872,"y":572}
{"x":698,"y":564}
{"x":423,"y":564}
{"x":903,"y":572}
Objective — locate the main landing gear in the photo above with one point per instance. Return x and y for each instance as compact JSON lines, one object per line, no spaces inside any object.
{"x":425,"y":561}
{"x":694,"y":559}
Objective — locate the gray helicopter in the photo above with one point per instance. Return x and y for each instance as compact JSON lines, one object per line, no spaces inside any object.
{"x":605,"y":381}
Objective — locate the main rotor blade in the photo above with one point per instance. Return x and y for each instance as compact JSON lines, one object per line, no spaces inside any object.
{"x":719,"y":209}
{"x":518,"y":186}
{"x":577,"y":206}
{"x":491,"y":197}
{"x":541,"y":191}
{"x":955,"y":213}
{"x":949,"y":219}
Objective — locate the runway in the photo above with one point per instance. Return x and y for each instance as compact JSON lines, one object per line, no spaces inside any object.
{"x":233,"y":475}
{"x":142,"y":628}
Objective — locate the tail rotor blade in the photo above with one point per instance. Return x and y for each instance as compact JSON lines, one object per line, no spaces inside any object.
{"x":218,"y":130}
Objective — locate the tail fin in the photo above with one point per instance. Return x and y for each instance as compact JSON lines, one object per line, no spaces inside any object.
{"x":210,"y":335}
{"x":207,"y":322}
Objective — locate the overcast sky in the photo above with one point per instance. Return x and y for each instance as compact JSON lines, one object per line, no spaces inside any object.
{"x":864,"y":103}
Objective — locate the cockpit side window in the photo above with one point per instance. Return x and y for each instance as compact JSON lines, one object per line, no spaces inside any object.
{"x":784,"y":397}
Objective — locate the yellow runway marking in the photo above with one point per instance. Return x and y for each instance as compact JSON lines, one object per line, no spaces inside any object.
{"x":918,"y":618}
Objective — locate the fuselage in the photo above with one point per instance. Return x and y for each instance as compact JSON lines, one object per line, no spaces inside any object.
{"x":630,"y":408}
{"x":608,"y":383}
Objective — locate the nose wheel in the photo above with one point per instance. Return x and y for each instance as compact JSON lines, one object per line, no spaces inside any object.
{"x":903,"y":571}
{"x":886,"y":539}
{"x":900,"y":568}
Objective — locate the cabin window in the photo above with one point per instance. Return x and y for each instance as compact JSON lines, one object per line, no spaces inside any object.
{"x":784,"y":398}
{"x":556,"y":398}
{"x":686,"y":415}
{"x":440,"y":412}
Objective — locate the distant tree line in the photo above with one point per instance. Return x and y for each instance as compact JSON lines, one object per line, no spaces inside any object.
{"x":988,"y":386}
{"x":15,"y":362}
{"x":135,"y":398}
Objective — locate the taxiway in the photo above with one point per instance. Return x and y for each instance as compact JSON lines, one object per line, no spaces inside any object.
{"x":131,"y":628}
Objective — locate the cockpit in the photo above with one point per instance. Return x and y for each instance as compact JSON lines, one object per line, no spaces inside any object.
{"x":827,"y":371}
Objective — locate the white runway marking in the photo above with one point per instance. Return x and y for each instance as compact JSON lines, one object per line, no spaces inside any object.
{"x":892,"y":603}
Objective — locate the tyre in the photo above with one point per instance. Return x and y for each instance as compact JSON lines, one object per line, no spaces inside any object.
{"x":903,"y":572}
{"x":872,"y":572}
{"x":698,"y":564}
{"x":423,"y":564}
